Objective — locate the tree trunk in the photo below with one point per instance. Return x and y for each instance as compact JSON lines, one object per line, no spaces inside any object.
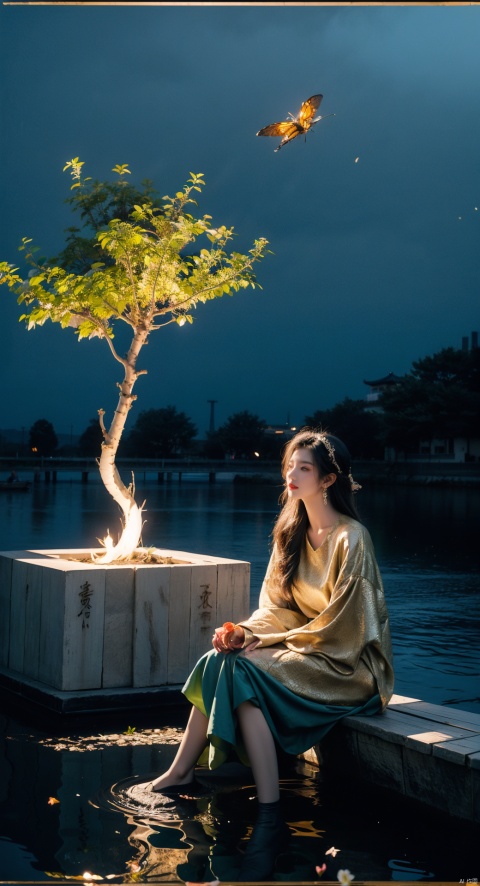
{"x":123,"y":495}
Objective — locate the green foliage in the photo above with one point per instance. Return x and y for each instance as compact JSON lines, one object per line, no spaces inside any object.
{"x":242,"y":434}
{"x":42,"y":438}
{"x":147,"y":275}
{"x":212,"y":446}
{"x":439,"y":398}
{"x":97,"y":203}
{"x":160,"y":433}
{"x":90,"y":440}
{"x":145,"y":279}
{"x":360,"y":430}
{"x":7,"y":447}
{"x":450,"y":365}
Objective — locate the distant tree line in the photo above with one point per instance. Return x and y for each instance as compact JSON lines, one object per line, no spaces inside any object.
{"x":42,"y":440}
{"x":438,"y":398}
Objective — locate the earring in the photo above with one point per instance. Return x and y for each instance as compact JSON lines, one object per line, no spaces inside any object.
{"x":325,"y":496}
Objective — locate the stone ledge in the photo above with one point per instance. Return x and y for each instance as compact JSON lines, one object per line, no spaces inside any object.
{"x":96,"y":701}
{"x":426,"y":752}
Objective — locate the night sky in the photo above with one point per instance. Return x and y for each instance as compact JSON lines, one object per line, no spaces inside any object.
{"x":373,"y":221}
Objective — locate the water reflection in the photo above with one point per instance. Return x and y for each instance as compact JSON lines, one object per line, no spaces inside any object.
{"x":103,"y":826}
{"x":425,"y":540}
{"x":420,"y":527}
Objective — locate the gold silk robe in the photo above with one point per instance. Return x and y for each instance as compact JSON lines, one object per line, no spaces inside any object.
{"x":337,"y":649}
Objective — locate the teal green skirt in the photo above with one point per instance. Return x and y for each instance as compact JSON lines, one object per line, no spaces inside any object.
{"x":220,"y":683}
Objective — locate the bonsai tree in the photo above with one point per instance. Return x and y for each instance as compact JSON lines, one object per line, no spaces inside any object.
{"x":147,"y":279}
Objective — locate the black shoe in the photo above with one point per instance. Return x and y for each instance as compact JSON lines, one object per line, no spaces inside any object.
{"x":269,"y":835}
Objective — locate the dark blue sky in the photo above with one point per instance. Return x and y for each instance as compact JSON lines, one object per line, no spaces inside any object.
{"x":376,"y":262}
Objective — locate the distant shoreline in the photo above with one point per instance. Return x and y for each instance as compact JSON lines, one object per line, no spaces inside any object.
{"x":415,"y":473}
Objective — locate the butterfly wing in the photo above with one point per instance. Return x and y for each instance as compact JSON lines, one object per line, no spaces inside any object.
{"x":307,"y":111}
{"x":288,"y":128}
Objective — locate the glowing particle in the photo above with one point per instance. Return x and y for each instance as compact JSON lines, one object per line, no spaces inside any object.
{"x":357,"y":159}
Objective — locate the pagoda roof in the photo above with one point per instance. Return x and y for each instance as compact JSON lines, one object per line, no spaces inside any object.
{"x":390,"y":379}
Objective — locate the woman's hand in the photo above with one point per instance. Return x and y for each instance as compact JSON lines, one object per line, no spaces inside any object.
{"x":251,"y":646}
{"x":228,"y":638}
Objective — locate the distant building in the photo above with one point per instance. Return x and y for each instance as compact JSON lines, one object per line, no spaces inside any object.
{"x":280,"y":431}
{"x":456,"y":449}
{"x":451,"y":449}
{"x":377,"y":388}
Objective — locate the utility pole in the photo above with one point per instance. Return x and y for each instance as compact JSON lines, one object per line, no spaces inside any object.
{"x":212,"y":415}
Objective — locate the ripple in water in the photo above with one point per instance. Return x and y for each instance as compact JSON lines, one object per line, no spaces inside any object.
{"x":134,"y":796}
{"x":200,"y":835}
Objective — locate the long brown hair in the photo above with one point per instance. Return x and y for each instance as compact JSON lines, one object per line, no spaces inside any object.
{"x":291,"y":526}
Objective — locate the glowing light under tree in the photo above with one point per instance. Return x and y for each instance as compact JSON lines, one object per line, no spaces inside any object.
{"x":147,"y":282}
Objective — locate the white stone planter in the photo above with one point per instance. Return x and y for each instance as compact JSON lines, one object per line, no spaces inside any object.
{"x":77,"y":627}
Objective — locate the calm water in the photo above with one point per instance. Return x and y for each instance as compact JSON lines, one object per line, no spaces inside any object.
{"x":426,"y":544}
{"x":426,"y":541}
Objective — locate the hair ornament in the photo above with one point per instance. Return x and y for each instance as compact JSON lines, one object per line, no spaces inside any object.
{"x":331,"y":454}
{"x":353,"y":483}
{"x":331,"y":451}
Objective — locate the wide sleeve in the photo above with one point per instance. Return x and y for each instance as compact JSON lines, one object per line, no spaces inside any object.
{"x":356,"y":617}
{"x":349,"y":624}
{"x":271,"y":623}
{"x":354,"y":624}
{"x":337,"y":648}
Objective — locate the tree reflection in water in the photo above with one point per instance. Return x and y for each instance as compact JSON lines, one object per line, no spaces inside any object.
{"x":426,"y":541}
{"x":194,"y":838}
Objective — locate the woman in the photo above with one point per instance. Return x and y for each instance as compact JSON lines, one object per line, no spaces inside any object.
{"x":317,"y":649}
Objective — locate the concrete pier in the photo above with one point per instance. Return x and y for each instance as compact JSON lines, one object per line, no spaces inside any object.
{"x":425,"y":752}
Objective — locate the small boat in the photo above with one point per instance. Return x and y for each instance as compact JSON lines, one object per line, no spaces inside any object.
{"x":15,"y":486}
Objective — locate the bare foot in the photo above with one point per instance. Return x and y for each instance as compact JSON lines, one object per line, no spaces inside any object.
{"x":168,"y":782}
